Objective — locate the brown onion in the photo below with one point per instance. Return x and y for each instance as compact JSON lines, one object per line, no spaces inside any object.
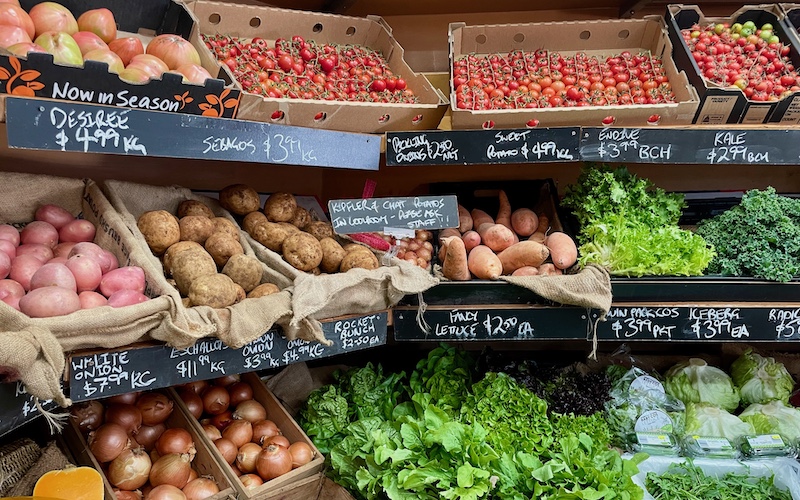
{"x":239,"y":432}
{"x":216,"y":400}
{"x":198,"y":386}
{"x":273,"y":461}
{"x":200,"y":489}
{"x":226,"y":380}
{"x":192,"y":476}
{"x":280,"y":440}
{"x":236,"y":470}
{"x":154,"y":456}
{"x":264,"y":429}
{"x":166,"y":492}
{"x":250,"y":410}
{"x":176,"y":440}
{"x":212,"y":433}
{"x":128,"y":416}
{"x":173,"y":469}
{"x":128,"y":398}
{"x":240,"y":391}
{"x":301,"y":453}
{"x":247,"y":456}
{"x":108,"y":441}
{"x":130,"y":470}
{"x":147,"y":435}
{"x":227,"y":449}
{"x":192,"y":401}
{"x":222,"y":420}
{"x":127,"y":495}
{"x":251,"y":481}
{"x":88,"y":415}
{"x":155,"y":408}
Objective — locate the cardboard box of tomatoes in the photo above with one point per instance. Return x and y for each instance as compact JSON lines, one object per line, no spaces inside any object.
{"x":590,"y":73}
{"x":742,"y":65}
{"x":64,"y":74}
{"x":317,"y":70}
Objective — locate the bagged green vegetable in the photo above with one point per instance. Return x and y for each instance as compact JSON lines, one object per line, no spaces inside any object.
{"x":760,"y":379}
{"x":707,"y":420}
{"x":774,"y":418}
{"x":694,"y":381}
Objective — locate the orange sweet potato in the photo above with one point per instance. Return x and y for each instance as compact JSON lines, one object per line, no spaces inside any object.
{"x":504,"y":212}
{"x":455,"y":265}
{"x":464,"y":219}
{"x":471,"y":240}
{"x":479,"y":217}
{"x":524,"y":222}
{"x":549,"y":269}
{"x":496,"y":236}
{"x":563,"y":251}
{"x":524,"y":253}
{"x":484,"y":263}
{"x":526,"y":271}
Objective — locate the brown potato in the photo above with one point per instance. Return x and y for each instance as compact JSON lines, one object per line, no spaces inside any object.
{"x":320,"y":229}
{"x":240,"y":293}
{"x":280,"y":207}
{"x":244,"y":270}
{"x":365,"y":260}
{"x":263,"y":290}
{"x":302,"y":251}
{"x":271,"y":235}
{"x":196,"y":228}
{"x":190,"y":265}
{"x":160,"y":229}
{"x":332,"y":255}
{"x":227,"y":226}
{"x":301,"y":218}
{"x":250,"y":220}
{"x":169,"y":256}
{"x":355,"y":247}
{"x":214,"y":290}
{"x":222,"y":247}
{"x":194,"y":207}
{"x":290,"y":228}
{"x":239,"y":199}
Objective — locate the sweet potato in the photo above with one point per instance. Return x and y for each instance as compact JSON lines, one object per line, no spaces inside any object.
{"x":447,"y":233}
{"x":471,"y":240}
{"x":524,"y":253}
{"x":484,"y":263}
{"x":538,"y":237}
{"x":480,"y":217}
{"x":464,"y":219}
{"x":455,"y":265}
{"x":504,"y":211}
{"x":526,"y":271}
{"x":544,"y":224}
{"x":549,"y":269}
{"x":496,"y":236}
{"x":524,"y":222}
{"x":563,"y":251}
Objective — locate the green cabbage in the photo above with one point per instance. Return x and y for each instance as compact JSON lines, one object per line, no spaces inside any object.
{"x":706,"y":420}
{"x":694,"y":381}
{"x":774,"y":418}
{"x":760,"y":379}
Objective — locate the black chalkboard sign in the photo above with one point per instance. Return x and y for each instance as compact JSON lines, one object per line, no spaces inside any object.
{"x":377,"y":214}
{"x":102,"y":374}
{"x":701,"y":323}
{"x":17,"y":407}
{"x":67,"y":126}
{"x":696,"y":146}
{"x":531,"y":323}
{"x":467,"y":147}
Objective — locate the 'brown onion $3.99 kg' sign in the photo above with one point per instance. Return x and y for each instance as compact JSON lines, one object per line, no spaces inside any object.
{"x":382,"y":214}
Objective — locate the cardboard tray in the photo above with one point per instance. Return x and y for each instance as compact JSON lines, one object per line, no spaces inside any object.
{"x":278,"y":414}
{"x":204,"y":462}
{"x":720,"y":105}
{"x":599,"y":38}
{"x":38,"y":76}
{"x":788,"y":110}
{"x":251,"y":21}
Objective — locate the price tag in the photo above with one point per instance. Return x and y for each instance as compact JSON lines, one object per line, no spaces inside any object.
{"x":765,"y":441}
{"x":654,"y":439}
{"x":376,"y":214}
{"x":712,"y":444}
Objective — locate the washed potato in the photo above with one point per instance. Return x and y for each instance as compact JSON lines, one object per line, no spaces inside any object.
{"x":160,"y":229}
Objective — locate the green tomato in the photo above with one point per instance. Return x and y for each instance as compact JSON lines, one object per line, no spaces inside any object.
{"x":749,"y":25}
{"x":735,"y":36}
{"x":767,"y":27}
{"x":736,"y":28}
{"x":774,"y":39}
{"x":719,"y":28}
{"x":766,"y":34}
{"x":747,"y":31}
{"x":695,"y":34}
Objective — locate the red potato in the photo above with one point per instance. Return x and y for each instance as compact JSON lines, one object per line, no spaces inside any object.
{"x":504,"y":212}
{"x":10,"y":233}
{"x":496,"y":236}
{"x":122,"y":298}
{"x":479,"y":217}
{"x":526,"y":271}
{"x":563,"y":251}
{"x":87,"y":272}
{"x":471,"y":240}
{"x":90,"y":300}
{"x":484,"y":263}
{"x":524,"y":222}
{"x":63,"y":249}
{"x":57,"y":260}
{"x":77,"y":231}
{"x":109,"y":262}
{"x":5,"y":265}
{"x":8,"y":248}
{"x":41,"y":252}
{"x":464,"y":219}
{"x":524,"y":253}
{"x":39,"y":232}
{"x":49,"y":301}
{"x":94,"y":251}
{"x":124,"y":278}
{"x":10,"y":289}
{"x":53,"y":275}
{"x":22,"y":268}
{"x":56,"y":216}
{"x":12,"y":301}
{"x":455,"y":265}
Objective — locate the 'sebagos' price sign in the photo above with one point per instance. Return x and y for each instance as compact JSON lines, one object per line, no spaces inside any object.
{"x":467,"y":147}
{"x":17,"y":406}
{"x":65,"y":126}
{"x":379,"y":214}
{"x":99,"y":375}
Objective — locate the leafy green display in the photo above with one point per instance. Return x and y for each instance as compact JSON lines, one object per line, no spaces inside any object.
{"x":761,"y":379}
{"x":706,"y":420}
{"x":759,"y":237}
{"x":695,"y":381}
{"x":688,"y":482}
{"x":774,"y":418}
{"x":630,"y":227}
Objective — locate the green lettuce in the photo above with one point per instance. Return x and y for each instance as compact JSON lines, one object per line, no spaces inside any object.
{"x":774,"y":418}
{"x":694,"y":381}
{"x":760,"y":379}
{"x":706,"y":420}
{"x":325,"y":417}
